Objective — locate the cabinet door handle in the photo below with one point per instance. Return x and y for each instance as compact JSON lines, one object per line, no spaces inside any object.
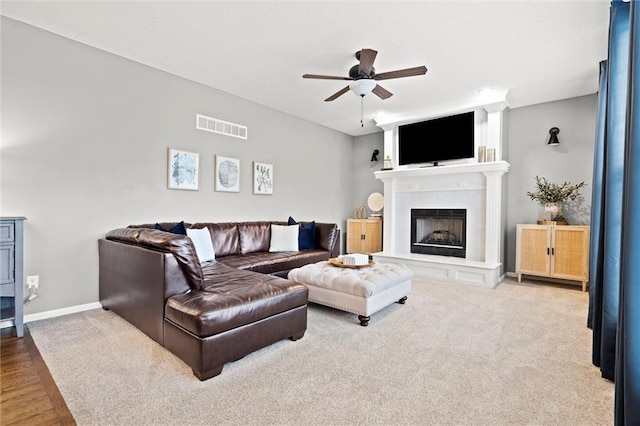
{"x":553,"y":251}
{"x":548,"y":251}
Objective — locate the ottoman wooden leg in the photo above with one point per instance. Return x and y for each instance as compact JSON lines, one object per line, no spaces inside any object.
{"x":401,"y":301}
{"x":364,"y":321}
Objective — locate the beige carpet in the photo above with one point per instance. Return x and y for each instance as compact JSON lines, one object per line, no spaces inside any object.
{"x":518,"y":354}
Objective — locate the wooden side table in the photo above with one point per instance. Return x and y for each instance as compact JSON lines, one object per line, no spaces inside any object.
{"x":555,"y":251}
{"x":364,"y":235}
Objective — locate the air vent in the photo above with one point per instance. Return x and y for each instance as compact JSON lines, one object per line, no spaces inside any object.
{"x":215,"y":125}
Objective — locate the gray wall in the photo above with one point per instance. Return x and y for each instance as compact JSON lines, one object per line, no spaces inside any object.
{"x":524,"y":137}
{"x":529,"y":156}
{"x":364,"y":181}
{"x":84,"y":150}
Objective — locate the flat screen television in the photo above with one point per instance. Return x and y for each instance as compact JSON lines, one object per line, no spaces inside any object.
{"x":440,"y":139}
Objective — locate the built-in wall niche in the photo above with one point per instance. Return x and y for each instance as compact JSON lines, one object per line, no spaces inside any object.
{"x":447,"y":139}
{"x":488,"y":119}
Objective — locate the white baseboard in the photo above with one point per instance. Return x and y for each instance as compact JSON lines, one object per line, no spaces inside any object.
{"x":60,"y":312}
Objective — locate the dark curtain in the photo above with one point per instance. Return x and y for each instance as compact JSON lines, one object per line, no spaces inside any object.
{"x":596,"y":245}
{"x":613,"y":181}
{"x":627,"y":371}
{"x":614,"y":294}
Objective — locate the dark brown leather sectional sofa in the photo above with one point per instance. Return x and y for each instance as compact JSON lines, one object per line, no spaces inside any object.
{"x":212,"y":313}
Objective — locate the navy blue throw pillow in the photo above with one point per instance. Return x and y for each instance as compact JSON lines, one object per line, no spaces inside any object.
{"x":306,"y":236}
{"x":178,"y":229}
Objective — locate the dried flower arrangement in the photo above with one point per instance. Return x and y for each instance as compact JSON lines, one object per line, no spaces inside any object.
{"x":549,"y":192}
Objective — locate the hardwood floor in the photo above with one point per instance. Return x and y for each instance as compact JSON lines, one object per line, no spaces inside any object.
{"x":29,"y":395}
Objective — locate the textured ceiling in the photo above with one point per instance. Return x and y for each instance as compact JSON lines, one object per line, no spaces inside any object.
{"x":538,"y":51}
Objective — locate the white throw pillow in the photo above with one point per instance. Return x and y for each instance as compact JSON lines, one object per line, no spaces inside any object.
{"x":201,"y":239}
{"x":284,"y":238}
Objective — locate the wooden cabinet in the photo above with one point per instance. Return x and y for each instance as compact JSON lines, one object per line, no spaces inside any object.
{"x":364,"y":235}
{"x":11,"y":271}
{"x":556,"y":251}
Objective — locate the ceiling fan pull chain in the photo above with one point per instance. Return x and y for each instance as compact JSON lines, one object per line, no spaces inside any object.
{"x":361,"y":110}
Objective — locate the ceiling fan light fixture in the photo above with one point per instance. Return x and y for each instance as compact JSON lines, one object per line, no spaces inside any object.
{"x":486,"y":92}
{"x":364,"y":78}
{"x":363,"y":86}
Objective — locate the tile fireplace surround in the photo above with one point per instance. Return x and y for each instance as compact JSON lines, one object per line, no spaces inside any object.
{"x":476,"y":187}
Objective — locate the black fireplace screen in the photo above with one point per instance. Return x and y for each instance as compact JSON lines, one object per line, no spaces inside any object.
{"x":439,"y":231}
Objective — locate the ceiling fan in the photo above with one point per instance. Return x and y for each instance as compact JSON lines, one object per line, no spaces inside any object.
{"x":364,"y":78}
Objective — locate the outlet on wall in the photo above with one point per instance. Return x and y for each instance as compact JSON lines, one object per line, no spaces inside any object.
{"x":33,"y":281}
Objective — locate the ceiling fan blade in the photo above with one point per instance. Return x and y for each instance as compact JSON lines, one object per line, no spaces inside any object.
{"x":337,"y":94}
{"x":382,"y":92}
{"x":408,"y":72}
{"x":367,"y":56}
{"x":325,"y":77}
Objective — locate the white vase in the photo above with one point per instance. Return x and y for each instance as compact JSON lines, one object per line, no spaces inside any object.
{"x":553,"y":211}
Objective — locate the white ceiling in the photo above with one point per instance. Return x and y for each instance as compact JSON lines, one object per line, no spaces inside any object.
{"x":538,"y":51}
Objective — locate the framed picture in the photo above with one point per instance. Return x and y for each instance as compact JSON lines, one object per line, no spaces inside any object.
{"x":262,"y":178}
{"x":183,"y":170}
{"x":227,"y":174}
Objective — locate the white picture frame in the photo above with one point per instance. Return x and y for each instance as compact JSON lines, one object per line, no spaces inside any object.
{"x":227,"y":174}
{"x":183,"y":170}
{"x":262,"y":178}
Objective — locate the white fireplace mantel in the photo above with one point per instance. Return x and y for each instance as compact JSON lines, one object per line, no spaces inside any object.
{"x":406,"y":187}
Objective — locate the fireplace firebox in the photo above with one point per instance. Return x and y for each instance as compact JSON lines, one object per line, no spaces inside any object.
{"x":439,"y":232}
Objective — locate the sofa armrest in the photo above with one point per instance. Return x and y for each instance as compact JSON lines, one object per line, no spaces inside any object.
{"x":135,"y":282}
{"x":328,"y":238}
{"x":179,"y":245}
{"x":335,"y":250}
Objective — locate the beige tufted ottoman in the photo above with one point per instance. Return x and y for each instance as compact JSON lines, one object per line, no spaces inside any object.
{"x":362,"y":291}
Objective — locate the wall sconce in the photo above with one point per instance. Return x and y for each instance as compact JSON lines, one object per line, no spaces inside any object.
{"x":374,"y":158}
{"x":553,"y":137}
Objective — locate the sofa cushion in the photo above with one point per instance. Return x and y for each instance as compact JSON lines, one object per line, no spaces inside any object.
{"x":232,"y":298}
{"x":225,"y":236}
{"x":254,"y":236}
{"x":284,"y":238}
{"x":165,"y":225}
{"x":268,"y":263}
{"x":201,"y":239}
{"x":307,"y":238}
{"x":307,"y":235}
{"x":176,"y":229}
{"x":327,"y":237}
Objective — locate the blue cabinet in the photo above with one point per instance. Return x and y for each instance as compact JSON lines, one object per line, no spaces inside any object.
{"x":12,"y":272}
